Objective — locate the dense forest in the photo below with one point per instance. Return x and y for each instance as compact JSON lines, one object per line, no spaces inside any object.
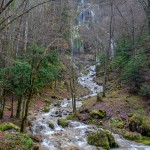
{"x":74,"y":74}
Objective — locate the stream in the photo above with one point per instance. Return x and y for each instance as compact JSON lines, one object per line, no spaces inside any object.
{"x":74,"y":136}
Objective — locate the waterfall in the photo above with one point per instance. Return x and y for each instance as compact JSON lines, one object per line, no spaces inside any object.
{"x":84,"y":18}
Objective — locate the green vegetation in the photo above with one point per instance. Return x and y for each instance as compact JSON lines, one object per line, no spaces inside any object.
{"x":130,"y":64}
{"x":116,"y":123}
{"x":16,"y":141}
{"x":51,"y":125}
{"x":63,"y":122}
{"x":102,"y":139}
{"x":8,"y":126}
{"x":46,"y":109}
{"x":140,"y":124}
{"x":133,"y":136}
{"x":100,"y":114}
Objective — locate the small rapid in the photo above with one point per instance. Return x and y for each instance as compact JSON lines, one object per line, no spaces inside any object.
{"x":74,"y":137}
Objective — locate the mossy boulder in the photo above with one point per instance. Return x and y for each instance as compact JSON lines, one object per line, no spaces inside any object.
{"x":133,"y":136}
{"x":51,"y":125}
{"x":15,"y":141}
{"x":102,"y":139}
{"x":48,"y":101}
{"x":8,"y":126}
{"x":46,"y":109}
{"x":100,"y":114}
{"x":63,"y":122}
{"x":140,"y":124}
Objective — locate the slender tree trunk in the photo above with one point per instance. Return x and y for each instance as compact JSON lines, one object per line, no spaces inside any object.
{"x":19,"y":107}
{"x":12,"y":104}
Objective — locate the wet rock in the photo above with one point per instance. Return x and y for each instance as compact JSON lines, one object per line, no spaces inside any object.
{"x":51,"y":125}
{"x":140,"y":124}
{"x":63,"y":122}
{"x":39,"y":128}
{"x":46,"y":109}
{"x":36,"y":146}
{"x":102,"y":139}
{"x":100,"y":114}
{"x":133,"y":136}
{"x":57,"y":104}
{"x":36,"y":137}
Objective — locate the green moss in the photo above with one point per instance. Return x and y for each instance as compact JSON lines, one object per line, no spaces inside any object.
{"x":51,"y":125}
{"x":46,"y":109}
{"x":102,"y":139}
{"x":73,"y":116}
{"x":100,"y":114}
{"x":8,"y":126}
{"x":140,"y":124}
{"x":16,"y":141}
{"x":145,"y":140}
{"x":111,"y":140}
{"x":133,"y":136}
{"x":63,"y":122}
{"x":48,"y":101}
{"x":99,"y":139}
{"x":117,"y":123}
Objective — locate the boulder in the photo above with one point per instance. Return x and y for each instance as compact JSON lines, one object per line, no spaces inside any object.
{"x":51,"y":125}
{"x":102,"y":139}
{"x":8,"y":126}
{"x":133,"y":136}
{"x":63,"y":122}
{"x":100,"y":114}
{"x":140,"y":124}
{"x":46,"y":109}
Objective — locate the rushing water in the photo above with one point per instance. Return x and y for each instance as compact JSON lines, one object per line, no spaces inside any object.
{"x":74,"y":136}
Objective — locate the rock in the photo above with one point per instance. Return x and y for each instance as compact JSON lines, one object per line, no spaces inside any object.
{"x":100,"y":114}
{"x":46,"y":109}
{"x":133,"y":136}
{"x":63,"y":122}
{"x":140,"y":124}
{"x":57,"y":104}
{"x":51,"y":125}
{"x":36,"y":146}
{"x":8,"y":126}
{"x":36,"y":138}
{"x":102,"y":139}
{"x":48,"y":101}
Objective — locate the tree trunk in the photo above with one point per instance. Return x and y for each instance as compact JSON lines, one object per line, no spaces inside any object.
{"x":12,"y":104}
{"x":19,"y":107}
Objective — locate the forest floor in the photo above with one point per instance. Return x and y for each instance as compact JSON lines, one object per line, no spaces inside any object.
{"x":118,"y":104}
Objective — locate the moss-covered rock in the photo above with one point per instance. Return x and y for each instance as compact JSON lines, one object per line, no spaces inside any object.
{"x":102,"y":139}
{"x":15,"y":141}
{"x":111,"y":139}
{"x":8,"y":126}
{"x":51,"y":125}
{"x":133,"y":136}
{"x":140,"y":124}
{"x":46,"y":109}
{"x":48,"y":101}
{"x":100,"y":114}
{"x":63,"y":122}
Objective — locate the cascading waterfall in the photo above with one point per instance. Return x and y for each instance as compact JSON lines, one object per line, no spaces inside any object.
{"x":74,"y":136}
{"x":85,"y":17}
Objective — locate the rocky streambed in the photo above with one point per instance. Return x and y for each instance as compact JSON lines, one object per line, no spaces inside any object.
{"x":73,"y":134}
